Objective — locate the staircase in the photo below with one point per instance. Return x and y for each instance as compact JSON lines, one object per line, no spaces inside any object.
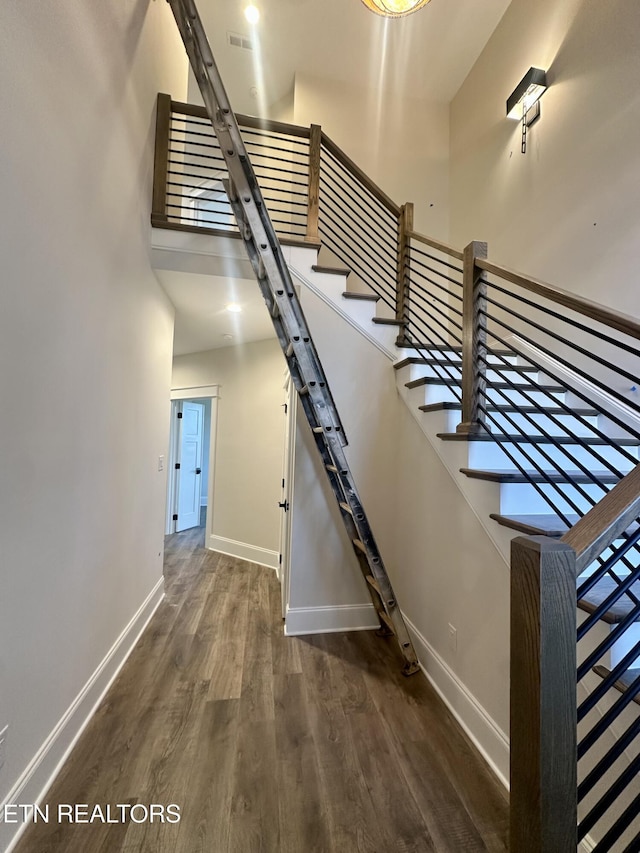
{"x":525,"y":391}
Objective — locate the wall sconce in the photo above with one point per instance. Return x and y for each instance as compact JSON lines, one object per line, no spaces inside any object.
{"x":523,"y":104}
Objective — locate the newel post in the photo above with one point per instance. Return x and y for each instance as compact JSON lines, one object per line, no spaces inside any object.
{"x":313,"y":191}
{"x":543,"y":696}
{"x":403,"y":278}
{"x":161,"y":159}
{"x":474,"y":340}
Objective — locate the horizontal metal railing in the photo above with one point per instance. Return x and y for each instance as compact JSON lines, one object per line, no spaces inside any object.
{"x":193,"y":196}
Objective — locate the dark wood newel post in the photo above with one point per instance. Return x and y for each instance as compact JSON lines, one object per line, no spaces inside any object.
{"x":161,"y":159}
{"x":313,"y":197}
{"x":403,"y":278}
{"x":543,"y":696}
{"x":474,"y":340}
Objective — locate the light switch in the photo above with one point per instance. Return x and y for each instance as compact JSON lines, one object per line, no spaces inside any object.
{"x":160,"y":463}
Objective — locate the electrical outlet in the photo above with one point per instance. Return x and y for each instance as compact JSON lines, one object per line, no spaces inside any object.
{"x":453,"y":638}
{"x":3,"y":743}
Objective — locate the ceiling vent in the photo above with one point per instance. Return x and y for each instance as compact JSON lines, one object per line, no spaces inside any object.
{"x":236,"y":40}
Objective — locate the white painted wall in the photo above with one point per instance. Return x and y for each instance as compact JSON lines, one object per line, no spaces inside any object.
{"x":401,"y":143}
{"x":444,"y":568}
{"x":248,"y":465}
{"x":85,"y":343}
{"x":566,"y":211}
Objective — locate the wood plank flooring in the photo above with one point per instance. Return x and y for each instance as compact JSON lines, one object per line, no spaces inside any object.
{"x":269,"y":744}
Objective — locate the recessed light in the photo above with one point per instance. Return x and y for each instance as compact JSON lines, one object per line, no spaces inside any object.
{"x":234,"y":308}
{"x":252,"y":14}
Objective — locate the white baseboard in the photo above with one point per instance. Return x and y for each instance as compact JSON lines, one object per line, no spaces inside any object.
{"x":329,"y":620}
{"x":38,"y":776}
{"x":487,"y":736}
{"x":243,"y":551}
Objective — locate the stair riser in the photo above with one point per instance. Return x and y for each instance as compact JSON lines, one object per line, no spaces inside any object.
{"x":523,"y":498}
{"x":558,"y":425}
{"x":534,"y":422}
{"x":360,"y":311}
{"x":632,"y":557}
{"x":489,"y":455}
{"x":454,"y":355}
{"x":517,"y":398}
{"x":453,"y":373}
{"x":624,"y":645}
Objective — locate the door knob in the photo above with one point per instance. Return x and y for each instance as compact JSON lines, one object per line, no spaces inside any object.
{"x":198,"y":470}
{"x":284,"y":505}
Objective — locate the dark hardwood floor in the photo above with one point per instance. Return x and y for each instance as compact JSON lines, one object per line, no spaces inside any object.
{"x":302,"y":745}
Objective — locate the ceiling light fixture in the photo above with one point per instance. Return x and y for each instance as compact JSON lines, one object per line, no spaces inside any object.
{"x":523,"y":103}
{"x":252,"y":14}
{"x":234,"y":308}
{"x":394,"y":8}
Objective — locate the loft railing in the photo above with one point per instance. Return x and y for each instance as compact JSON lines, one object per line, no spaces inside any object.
{"x":546,"y":376}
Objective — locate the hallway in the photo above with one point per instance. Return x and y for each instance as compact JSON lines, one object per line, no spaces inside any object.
{"x":301,"y":745}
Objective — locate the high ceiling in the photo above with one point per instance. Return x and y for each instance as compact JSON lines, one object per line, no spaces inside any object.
{"x":426,"y":55}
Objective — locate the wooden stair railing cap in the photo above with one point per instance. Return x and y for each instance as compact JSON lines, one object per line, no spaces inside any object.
{"x":607,"y":316}
{"x":606,"y":521}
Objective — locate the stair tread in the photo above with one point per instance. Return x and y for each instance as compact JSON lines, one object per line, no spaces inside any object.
{"x":331,"y":270}
{"x":366,"y":297}
{"x":623,"y":683}
{"x":536,"y":525}
{"x":530,"y":410}
{"x":618,"y":611}
{"x":509,"y":476}
{"x":502,"y":386}
{"x":538,"y":439}
{"x":386,"y":321}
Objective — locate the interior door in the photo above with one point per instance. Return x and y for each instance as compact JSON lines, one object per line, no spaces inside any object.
{"x":190,"y":460}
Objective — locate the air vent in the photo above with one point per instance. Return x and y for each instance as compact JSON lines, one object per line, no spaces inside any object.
{"x":236,"y":40}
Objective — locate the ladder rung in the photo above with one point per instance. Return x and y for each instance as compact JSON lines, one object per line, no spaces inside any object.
{"x":304,"y":390}
{"x":357,"y":543}
{"x":374,"y":583}
{"x":387,"y":621}
{"x":318,"y":430}
{"x":289,"y":351}
{"x":346,"y":508}
{"x":332,"y":468}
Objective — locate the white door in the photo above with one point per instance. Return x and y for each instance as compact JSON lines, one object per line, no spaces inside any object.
{"x":286,"y":492}
{"x":190,"y":460}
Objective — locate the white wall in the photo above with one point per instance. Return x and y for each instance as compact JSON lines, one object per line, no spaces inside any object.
{"x":85,"y":341}
{"x":402,"y":144}
{"x":248,"y":465}
{"x":442,"y":564}
{"x":566,"y":211}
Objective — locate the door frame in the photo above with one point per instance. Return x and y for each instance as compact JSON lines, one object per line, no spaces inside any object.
{"x":288,"y":468}
{"x":178,"y":395}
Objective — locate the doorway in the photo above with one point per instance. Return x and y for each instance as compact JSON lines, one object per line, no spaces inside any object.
{"x":191,"y":457}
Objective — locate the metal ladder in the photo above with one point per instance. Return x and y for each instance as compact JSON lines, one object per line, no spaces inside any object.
{"x":277,"y":288}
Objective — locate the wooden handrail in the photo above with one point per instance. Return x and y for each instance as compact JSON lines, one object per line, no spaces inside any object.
{"x":436,"y":244}
{"x":606,"y":521}
{"x":357,"y":172}
{"x":246,"y":121}
{"x":607,"y":316}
